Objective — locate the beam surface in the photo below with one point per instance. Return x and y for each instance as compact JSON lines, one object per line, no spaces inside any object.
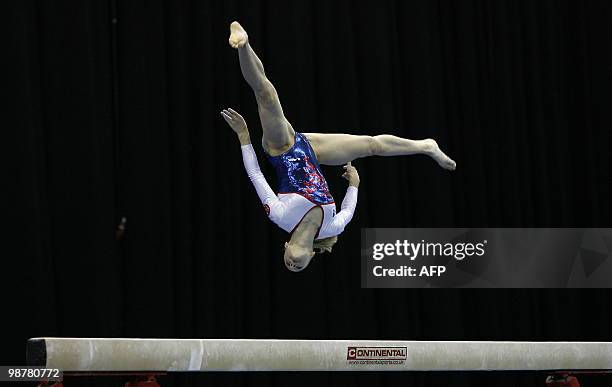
{"x":185,"y":355}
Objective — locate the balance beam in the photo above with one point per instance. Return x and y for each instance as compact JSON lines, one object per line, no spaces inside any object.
{"x":191,"y":355}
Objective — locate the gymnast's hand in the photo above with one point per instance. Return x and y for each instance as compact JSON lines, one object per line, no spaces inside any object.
{"x":238,"y":125}
{"x":350,"y":174}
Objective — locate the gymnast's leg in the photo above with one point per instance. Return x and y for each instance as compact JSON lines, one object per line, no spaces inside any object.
{"x":278,"y":134}
{"x":338,"y":149}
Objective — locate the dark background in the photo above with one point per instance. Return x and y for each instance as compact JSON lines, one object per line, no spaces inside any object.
{"x":107,"y":119}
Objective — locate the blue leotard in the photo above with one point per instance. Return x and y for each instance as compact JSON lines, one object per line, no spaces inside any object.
{"x":298,"y":172}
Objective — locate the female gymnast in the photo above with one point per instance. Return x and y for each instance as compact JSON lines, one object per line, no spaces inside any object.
{"x":304,"y":207}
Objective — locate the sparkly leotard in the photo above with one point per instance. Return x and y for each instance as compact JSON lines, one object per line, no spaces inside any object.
{"x":298,"y":172}
{"x":301,"y":187}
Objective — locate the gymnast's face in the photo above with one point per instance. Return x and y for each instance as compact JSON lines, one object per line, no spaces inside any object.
{"x":297,"y":257}
{"x":298,"y":251}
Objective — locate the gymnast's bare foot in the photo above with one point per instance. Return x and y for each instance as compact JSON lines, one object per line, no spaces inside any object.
{"x":238,"y":36}
{"x":441,"y":158}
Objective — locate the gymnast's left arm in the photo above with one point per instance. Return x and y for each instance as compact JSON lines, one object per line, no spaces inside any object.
{"x":273,"y":206}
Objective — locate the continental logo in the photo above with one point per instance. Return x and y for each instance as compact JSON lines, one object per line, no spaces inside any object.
{"x":376,"y":355}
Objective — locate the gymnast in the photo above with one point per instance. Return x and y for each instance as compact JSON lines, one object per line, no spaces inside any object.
{"x":304,"y":206}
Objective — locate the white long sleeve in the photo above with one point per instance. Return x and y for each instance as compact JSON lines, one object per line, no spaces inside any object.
{"x":268,"y":198}
{"x":347,"y":209}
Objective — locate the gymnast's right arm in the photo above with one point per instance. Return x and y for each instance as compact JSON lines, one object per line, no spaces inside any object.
{"x":271,"y":203}
{"x":347,"y":209}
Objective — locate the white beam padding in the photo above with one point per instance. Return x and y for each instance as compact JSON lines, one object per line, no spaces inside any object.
{"x":185,"y":355}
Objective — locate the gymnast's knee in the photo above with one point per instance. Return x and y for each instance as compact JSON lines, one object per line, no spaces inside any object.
{"x":374,"y":145}
{"x":266,"y":93}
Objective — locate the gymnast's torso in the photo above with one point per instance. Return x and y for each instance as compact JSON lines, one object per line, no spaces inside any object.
{"x":298,"y":172}
{"x":301,"y":185}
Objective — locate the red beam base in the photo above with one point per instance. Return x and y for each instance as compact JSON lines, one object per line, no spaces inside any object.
{"x":562,"y":381}
{"x":148,"y":382}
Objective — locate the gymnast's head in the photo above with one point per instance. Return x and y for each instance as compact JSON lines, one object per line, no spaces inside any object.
{"x":297,"y":257}
{"x":302,"y":246}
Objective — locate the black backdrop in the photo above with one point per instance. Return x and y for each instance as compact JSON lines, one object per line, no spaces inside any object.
{"x":114,"y":112}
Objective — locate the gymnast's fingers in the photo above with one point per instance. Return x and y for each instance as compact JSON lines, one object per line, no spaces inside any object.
{"x":235,"y":113}
{"x":230,"y":116}
{"x":227,"y":118}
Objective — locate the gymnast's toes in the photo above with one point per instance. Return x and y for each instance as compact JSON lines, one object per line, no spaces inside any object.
{"x":432,"y":148}
{"x":446,"y":162}
{"x":238,"y":36}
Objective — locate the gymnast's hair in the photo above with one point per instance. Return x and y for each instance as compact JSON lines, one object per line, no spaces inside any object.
{"x":324,"y":245}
